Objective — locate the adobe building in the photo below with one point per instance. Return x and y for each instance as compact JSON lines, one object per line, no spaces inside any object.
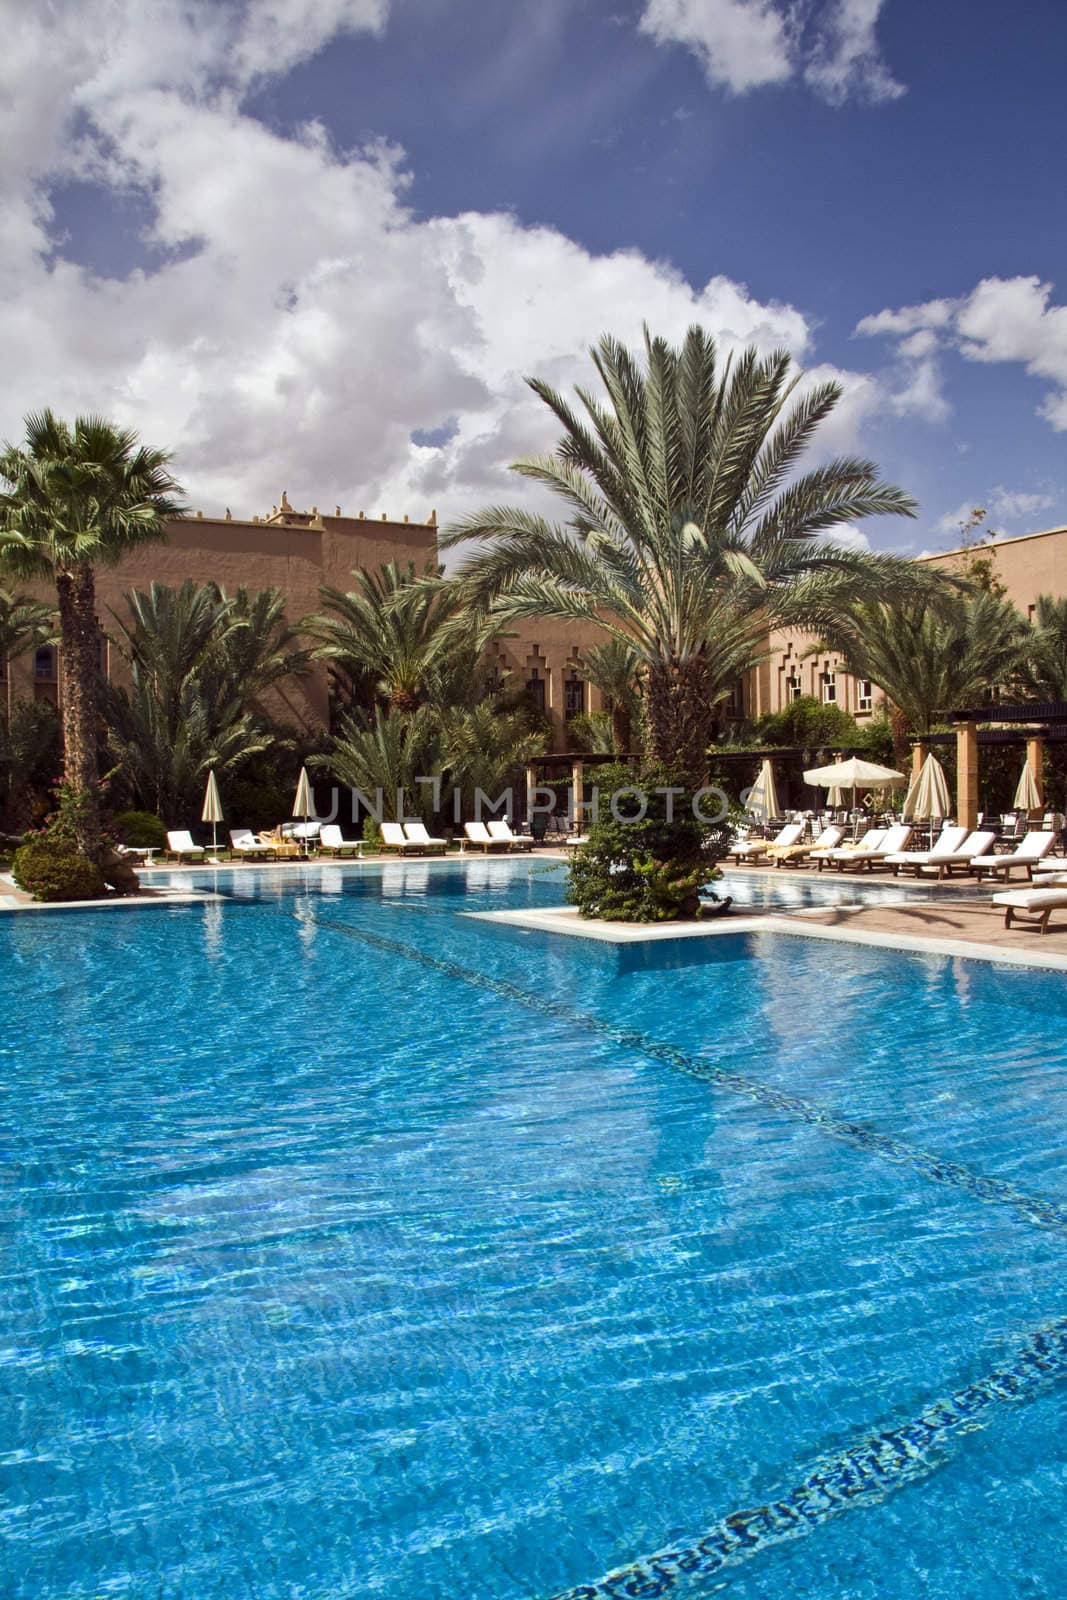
{"x":297,"y":552}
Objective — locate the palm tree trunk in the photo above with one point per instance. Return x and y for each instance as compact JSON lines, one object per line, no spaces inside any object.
{"x":621,"y":731}
{"x":900,"y":728}
{"x":681,"y":717}
{"x":79,"y":633}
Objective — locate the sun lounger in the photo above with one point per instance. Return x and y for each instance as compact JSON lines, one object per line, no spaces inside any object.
{"x":871,"y":841}
{"x":514,"y":841}
{"x":748,"y":849}
{"x":892,"y":843}
{"x":394,"y":838}
{"x":180,"y":844}
{"x":1036,"y":903}
{"x":416,"y":833}
{"x":975,"y":847}
{"x":1031,"y":849}
{"x":1049,"y":864}
{"x":575,"y":839}
{"x":948,"y":842}
{"x":793,"y":855}
{"x":332,"y":841}
{"x":479,"y":836}
{"x":245,"y":843}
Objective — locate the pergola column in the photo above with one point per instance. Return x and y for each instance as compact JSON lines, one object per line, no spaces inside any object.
{"x":918,"y":756}
{"x":1035,"y":760}
{"x":967,"y":775}
{"x":577,"y":791}
{"x":531,"y":789}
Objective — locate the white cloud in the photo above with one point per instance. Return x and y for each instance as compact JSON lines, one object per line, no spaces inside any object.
{"x":847,"y":538}
{"x":1017,"y":508}
{"x":749,"y":44}
{"x":301,"y":323}
{"x":1002,"y":319}
{"x":846,"y":61}
{"x":741,"y":44}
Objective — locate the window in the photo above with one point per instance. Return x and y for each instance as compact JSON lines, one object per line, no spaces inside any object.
{"x":866,"y":695}
{"x":828,"y":681}
{"x":573,"y":698}
{"x":734,"y":705}
{"x":44,"y":664}
{"x":535,"y":688}
{"x":793,"y":687}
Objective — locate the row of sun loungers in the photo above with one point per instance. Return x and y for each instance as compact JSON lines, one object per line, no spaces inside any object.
{"x":409,"y":838}
{"x":956,"y":848}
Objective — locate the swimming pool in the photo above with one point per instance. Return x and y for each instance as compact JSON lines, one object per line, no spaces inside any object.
{"x":356,"y":1247}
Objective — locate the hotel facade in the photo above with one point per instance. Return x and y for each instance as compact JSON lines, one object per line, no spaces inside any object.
{"x":300,"y":551}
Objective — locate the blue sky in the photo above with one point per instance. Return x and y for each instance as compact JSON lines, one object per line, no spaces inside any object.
{"x":316,"y":243}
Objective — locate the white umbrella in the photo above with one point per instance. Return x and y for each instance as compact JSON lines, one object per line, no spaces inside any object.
{"x":1026,"y":795}
{"x":212,"y":811}
{"x":763,"y":795}
{"x":303,"y":801}
{"x":853,"y":774}
{"x":834,"y":798}
{"x":928,"y":798}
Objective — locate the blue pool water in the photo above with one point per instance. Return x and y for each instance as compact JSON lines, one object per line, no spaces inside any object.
{"x":356,"y":1247}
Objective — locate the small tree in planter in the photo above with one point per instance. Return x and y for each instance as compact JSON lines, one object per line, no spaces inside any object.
{"x":649,"y":856}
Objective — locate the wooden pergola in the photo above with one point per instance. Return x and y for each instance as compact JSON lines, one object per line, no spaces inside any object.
{"x":1029,"y":725}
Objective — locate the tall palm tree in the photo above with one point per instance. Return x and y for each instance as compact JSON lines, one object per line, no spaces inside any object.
{"x":689,"y":534}
{"x":24,"y":624}
{"x":77,"y":497}
{"x":387,"y":754}
{"x":930,"y":658}
{"x":1043,"y":673}
{"x":486,"y":748}
{"x":614,"y":668}
{"x":398,"y":626}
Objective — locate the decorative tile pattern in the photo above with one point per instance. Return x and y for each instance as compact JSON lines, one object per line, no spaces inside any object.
{"x":1035,"y":1209}
{"x":864,"y":1472}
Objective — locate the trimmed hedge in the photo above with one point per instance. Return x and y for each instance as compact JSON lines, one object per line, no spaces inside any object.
{"x":51,"y":869}
{"x":141,"y":830}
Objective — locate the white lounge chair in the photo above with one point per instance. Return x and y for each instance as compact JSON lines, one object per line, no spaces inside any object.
{"x":975,"y":847}
{"x":748,"y":849}
{"x":415,"y":833}
{"x":180,"y":844}
{"x":479,"y":836}
{"x":574,"y":839}
{"x":1049,"y":865}
{"x":794,"y":855}
{"x":893,"y":842}
{"x":514,"y":841}
{"x":1036,"y":903}
{"x":332,"y":841}
{"x":947,"y":843}
{"x":394,"y":838}
{"x":245,"y":843}
{"x":1032,"y":848}
{"x":870,"y":841}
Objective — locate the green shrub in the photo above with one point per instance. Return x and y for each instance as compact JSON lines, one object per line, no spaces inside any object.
{"x":141,"y":830}
{"x":52,"y":869}
{"x":809,"y":723}
{"x":372,"y":834}
{"x":652,"y":869}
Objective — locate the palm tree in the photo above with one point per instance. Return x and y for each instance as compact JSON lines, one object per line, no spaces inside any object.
{"x":930,"y":658}
{"x":689,"y":534}
{"x":399,"y":627}
{"x":1043,"y":673}
{"x":486,"y":748}
{"x":387,"y":754}
{"x":77,"y":497}
{"x":614,"y":668}
{"x":24,"y":624}
{"x":199,"y":663}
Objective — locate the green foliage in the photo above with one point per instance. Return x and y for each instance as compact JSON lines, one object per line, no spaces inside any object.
{"x":24,"y":624}
{"x":807,"y":722}
{"x":978,"y":562}
{"x":591,"y":731}
{"x":388,"y":755}
{"x":199,"y":663}
{"x":488,"y":749}
{"x":1043,"y":673}
{"x":930,"y":658}
{"x":52,"y":869}
{"x":140,"y":830}
{"x":31,"y":753}
{"x":647,"y":870}
{"x":372,"y":834}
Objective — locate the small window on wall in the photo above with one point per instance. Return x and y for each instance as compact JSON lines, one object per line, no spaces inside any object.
{"x":793,"y":687}
{"x":866,"y":695}
{"x":535,"y":688}
{"x":573,"y":698}
{"x":734,"y":702}
{"x":44,"y":664}
{"x":829,"y":688}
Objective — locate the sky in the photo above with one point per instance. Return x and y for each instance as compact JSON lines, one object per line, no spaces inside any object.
{"x":318,"y":245}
